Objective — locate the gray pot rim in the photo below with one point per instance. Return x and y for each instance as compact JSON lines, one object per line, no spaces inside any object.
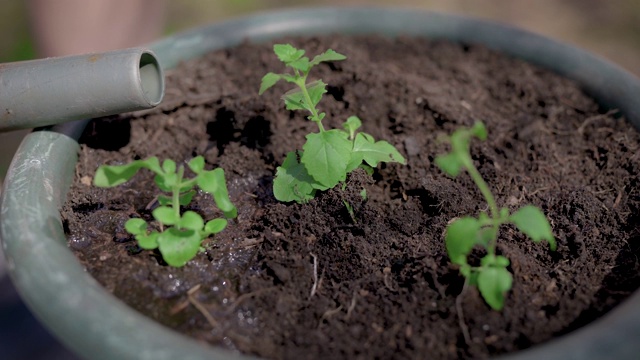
{"x":95,"y":324}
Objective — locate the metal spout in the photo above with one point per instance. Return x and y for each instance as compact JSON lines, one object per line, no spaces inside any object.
{"x":56,"y":90}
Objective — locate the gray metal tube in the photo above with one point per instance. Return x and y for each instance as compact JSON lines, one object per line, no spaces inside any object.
{"x":56,"y":90}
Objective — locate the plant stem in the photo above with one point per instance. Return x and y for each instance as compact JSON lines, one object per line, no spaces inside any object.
{"x":307,"y":98}
{"x":175,"y":202}
{"x":491,"y":201}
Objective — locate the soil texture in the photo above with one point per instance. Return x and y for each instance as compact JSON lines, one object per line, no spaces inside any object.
{"x":292,"y":281}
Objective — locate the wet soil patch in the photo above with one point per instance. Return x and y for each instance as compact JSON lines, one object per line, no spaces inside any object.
{"x":308,"y":280}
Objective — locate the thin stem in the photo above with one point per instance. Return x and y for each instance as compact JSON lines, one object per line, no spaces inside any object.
{"x":314,"y":112}
{"x":491,"y":201}
{"x":175,"y":202}
{"x":484,"y":190}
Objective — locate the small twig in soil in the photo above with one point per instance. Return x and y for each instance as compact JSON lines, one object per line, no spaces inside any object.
{"x":461,"y":323}
{"x":386,"y":279}
{"x":314,"y":288}
{"x":352,"y":305}
{"x":198,"y":305}
{"x":591,"y":119}
{"x":618,"y":198}
{"x":327,"y":314}
{"x":244,"y":297}
{"x":151,"y":203}
{"x":248,"y":242}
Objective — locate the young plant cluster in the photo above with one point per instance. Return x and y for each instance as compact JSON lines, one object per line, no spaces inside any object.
{"x":323,"y":162}
{"x":328,"y":155}
{"x":492,"y":277}
{"x":182,"y":233}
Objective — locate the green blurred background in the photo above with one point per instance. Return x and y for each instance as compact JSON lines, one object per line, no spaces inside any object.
{"x":608,"y":28}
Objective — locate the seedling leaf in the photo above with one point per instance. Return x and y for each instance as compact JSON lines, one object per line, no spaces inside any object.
{"x":449,"y":163}
{"x":178,"y":246}
{"x":196,"y":164}
{"x":479,"y":130}
{"x":532,"y":222}
{"x":352,"y":124}
{"x":493,"y":283}
{"x":301,"y":64}
{"x":326,"y":156}
{"x":166,"y":215}
{"x":169,"y":166}
{"x":328,"y":55}
{"x":148,"y":242}
{"x":292,"y":182}
{"x":268,"y":81}
{"x":461,"y":236}
{"x":287,"y":53}
{"x":295,"y":99}
{"x":185,"y":199}
{"x":215,"y":226}
{"x":373,"y":152}
{"x":114,"y":175}
{"x":191,"y":220}
{"x":214,"y":183}
{"x":136,"y":226}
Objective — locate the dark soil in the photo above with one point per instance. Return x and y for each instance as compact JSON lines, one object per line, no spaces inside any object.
{"x":385,"y":287}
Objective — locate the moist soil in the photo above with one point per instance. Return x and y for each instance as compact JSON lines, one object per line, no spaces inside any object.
{"x":310,"y":281}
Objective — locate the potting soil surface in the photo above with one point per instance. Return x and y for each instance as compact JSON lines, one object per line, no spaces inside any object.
{"x":292,"y":281}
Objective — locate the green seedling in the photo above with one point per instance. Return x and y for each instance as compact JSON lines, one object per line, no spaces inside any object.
{"x":492,"y":277}
{"x":328,"y":155}
{"x":180,"y":242}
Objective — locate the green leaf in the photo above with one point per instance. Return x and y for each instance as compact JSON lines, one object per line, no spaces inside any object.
{"x":292,"y":181}
{"x":136,"y":226}
{"x":326,"y":156}
{"x":148,"y":242}
{"x":166,"y":215}
{"x":164,"y":200}
{"x":450,"y":164}
{"x":191,"y":220}
{"x":460,"y":237}
{"x":494,"y":283}
{"x":287,"y":53}
{"x":196,"y":164}
{"x":295,"y":99}
{"x":479,"y":130}
{"x":161,"y":183}
{"x":532,"y":222}
{"x":179,"y":246}
{"x":352,"y":124}
{"x":328,"y":55}
{"x":301,"y":64}
{"x":494,"y":261}
{"x":373,"y":152}
{"x":185,"y":199}
{"x":268,"y":81}
{"x":215,"y":226}
{"x":166,"y":181}
{"x":108,"y":176}
{"x":169,"y":166}
{"x":215,"y":184}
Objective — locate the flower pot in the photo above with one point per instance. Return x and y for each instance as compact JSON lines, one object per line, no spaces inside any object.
{"x":96,"y":325}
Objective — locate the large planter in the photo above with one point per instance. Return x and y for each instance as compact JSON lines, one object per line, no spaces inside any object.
{"x":96,"y":325}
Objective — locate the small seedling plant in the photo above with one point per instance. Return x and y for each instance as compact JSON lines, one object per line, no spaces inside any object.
{"x":327,"y":155}
{"x":492,"y":277}
{"x":181,"y":233}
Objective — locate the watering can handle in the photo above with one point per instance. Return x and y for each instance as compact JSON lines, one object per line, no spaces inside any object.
{"x":55,"y":90}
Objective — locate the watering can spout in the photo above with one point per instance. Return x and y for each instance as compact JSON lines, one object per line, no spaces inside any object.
{"x":56,"y":90}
